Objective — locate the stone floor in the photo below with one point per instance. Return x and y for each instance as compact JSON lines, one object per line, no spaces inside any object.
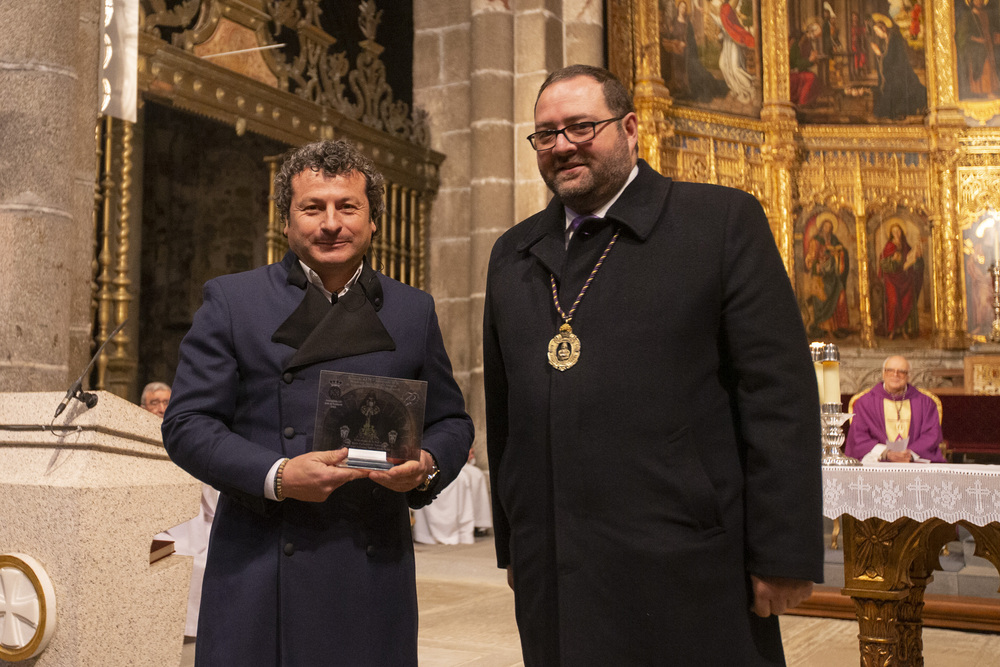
{"x":467,"y":619}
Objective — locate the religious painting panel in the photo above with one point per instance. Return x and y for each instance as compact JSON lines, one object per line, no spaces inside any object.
{"x":857,"y":61}
{"x":826,"y":273}
{"x":980,"y":250}
{"x":977,"y":51}
{"x":710,"y":54}
{"x":900,"y":274}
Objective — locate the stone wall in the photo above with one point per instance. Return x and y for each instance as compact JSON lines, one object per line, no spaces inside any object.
{"x":48,"y":112}
{"x":477,"y":68}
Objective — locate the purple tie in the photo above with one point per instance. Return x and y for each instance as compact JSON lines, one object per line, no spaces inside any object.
{"x":578,"y":221}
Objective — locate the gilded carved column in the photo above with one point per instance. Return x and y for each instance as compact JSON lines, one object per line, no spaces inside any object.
{"x":950,"y":315}
{"x":779,"y":151}
{"x":779,"y":154}
{"x":123,"y":359}
{"x":774,"y":42}
{"x":945,"y":124}
{"x":104,"y":257}
{"x":861,"y":231}
{"x":651,"y":97}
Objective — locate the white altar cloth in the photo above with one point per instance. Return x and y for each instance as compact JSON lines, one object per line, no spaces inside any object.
{"x":950,"y":492}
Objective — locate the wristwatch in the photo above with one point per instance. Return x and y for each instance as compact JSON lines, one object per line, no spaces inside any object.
{"x":431,"y":476}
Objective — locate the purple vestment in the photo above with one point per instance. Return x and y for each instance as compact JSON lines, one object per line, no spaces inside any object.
{"x":868,"y":426}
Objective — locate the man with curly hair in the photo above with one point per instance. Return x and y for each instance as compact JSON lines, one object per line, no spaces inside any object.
{"x":310,"y":563}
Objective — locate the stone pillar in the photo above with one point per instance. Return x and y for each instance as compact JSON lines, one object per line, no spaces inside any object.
{"x":48,"y":72}
{"x":441,"y":85}
{"x":583,"y":32}
{"x":477,"y":69}
{"x":492,"y":155}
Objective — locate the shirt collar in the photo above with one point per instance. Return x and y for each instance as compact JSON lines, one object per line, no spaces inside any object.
{"x":314,"y":278}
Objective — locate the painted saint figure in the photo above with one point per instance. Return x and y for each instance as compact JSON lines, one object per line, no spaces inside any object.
{"x":859,"y":46}
{"x":902,"y":277}
{"x":827,"y":265}
{"x":899,"y":92}
{"x":978,"y":40}
{"x":732,"y":61}
{"x":688,"y":79}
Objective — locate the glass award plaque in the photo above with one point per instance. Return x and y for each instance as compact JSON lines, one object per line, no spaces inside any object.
{"x":380,"y":420}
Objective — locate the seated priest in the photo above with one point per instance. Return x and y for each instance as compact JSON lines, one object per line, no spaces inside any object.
{"x":894,"y":421}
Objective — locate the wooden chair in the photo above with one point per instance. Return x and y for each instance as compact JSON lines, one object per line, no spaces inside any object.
{"x":943,"y":446}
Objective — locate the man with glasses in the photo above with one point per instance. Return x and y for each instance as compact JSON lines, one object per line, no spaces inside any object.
{"x":895,"y":421}
{"x":653,"y":434}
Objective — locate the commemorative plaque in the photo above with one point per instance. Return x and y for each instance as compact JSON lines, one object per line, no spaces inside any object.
{"x":380,"y":420}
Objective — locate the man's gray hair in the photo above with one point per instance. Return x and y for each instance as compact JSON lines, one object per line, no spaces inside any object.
{"x":333,"y":158}
{"x":150,"y":388}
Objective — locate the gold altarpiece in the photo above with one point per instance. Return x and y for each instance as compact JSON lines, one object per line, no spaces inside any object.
{"x":940,"y":167}
{"x":266,"y":67}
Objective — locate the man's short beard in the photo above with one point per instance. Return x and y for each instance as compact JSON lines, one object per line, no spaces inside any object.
{"x":606,"y":178}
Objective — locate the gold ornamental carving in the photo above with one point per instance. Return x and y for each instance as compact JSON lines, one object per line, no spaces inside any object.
{"x":791,"y":164}
{"x":291,"y":82}
{"x":892,"y":565}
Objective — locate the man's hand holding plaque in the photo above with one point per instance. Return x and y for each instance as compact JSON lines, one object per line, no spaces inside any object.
{"x":405,"y":476}
{"x":313,"y":476}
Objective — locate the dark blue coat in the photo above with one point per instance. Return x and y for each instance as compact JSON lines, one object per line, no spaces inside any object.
{"x":636,"y":491}
{"x":296,"y":583}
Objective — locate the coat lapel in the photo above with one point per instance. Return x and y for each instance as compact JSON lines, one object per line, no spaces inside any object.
{"x":321,"y":332}
{"x":641,"y":206}
{"x":546,"y":237}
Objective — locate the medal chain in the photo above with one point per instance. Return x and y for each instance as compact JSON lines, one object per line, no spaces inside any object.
{"x":555,"y":293}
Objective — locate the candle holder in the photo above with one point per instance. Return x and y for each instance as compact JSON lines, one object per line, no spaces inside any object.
{"x":830,"y":413}
{"x":833,"y":436}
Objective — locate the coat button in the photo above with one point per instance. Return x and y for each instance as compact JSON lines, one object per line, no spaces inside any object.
{"x":287,"y":378}
{"x":289,"y":432}
{"x":378,"y":302}
{"x":289,"y":549}
{"x":370,"y":550}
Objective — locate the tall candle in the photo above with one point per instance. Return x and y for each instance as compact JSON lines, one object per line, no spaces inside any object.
{"x":816,"y":352}
{"x":818,"y":367}
{"x":831,"y":382}
{"x":996,"y":242}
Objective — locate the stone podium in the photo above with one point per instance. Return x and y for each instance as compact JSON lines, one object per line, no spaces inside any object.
{"x":82,"y":497}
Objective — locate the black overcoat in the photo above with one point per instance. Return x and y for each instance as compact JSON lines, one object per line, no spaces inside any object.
{"x":635,"y":492}
{"x":296,"y":583}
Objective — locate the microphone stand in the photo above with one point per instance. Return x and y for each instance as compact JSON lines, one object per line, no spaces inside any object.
{"x":76,"y":391}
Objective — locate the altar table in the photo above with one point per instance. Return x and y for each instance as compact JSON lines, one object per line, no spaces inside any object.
{"x":896,"y":518}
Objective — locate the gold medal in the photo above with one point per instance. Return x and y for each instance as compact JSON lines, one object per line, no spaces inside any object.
{"x":564,"y":348}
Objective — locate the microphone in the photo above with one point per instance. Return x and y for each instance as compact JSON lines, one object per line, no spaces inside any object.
{"x":76,"y":391}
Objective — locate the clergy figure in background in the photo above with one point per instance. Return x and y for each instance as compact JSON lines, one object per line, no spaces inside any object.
{"x":155,"y":398}
{"x":191,"y":537}
{"x":895,"y":421}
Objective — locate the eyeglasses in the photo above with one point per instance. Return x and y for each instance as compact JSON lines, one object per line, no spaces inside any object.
{"x":157,"y":403}
{"x":896,"y":371}
{"x":577,"y":133}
